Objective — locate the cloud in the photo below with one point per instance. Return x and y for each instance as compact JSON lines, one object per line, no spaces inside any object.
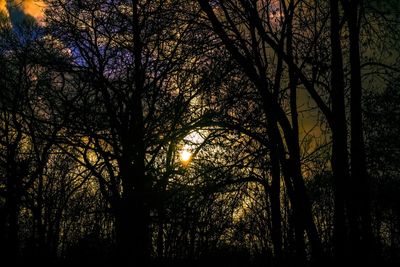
{"x":3,"y":7}
{"x":33,"y":8}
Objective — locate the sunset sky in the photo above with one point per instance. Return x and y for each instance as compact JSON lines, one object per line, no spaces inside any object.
{"x":30,"y":7}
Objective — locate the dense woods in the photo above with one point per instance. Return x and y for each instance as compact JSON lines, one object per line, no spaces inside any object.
{"x":176,"y":133}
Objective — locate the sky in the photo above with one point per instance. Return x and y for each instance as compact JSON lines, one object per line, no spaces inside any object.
{"x":33,"y":8}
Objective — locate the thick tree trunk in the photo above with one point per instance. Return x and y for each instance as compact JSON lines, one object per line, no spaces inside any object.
{"x":132,"y":232}
{"x":133,"y":218}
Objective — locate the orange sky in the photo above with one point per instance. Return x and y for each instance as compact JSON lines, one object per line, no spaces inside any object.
{"x":30,"y":7}
{"x":2,"y":5}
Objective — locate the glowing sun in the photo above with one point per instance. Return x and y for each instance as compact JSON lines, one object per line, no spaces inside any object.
{"x":185,"y":155}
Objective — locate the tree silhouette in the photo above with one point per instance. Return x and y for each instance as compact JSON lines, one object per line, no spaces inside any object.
{"x":175,"y":133}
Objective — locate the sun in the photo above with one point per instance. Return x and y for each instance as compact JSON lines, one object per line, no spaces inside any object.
{"x":185,"y":156}
{"x":190,"y":143}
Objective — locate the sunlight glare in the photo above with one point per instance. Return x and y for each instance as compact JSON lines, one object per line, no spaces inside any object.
{"x":185,"y":155}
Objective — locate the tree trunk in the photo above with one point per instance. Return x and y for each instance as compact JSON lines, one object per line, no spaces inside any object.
{"x":359,"y":176}
{"x":133,"y":235}
{"x":12,"y":201}
{"x":132,"y":231}
{"x":276,"y":231}
{"x":303,"y":205}
{"x":12,"y":211}
{"x":299,"y":223}
{"x":339,"y":139}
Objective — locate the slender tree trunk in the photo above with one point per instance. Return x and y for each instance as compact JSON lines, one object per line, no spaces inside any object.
{"x":39,"y":221}
{"x":12,"y":247}
{"x":12,"y":211}
{"x":304,"y":208}
{"x":276,"y":231}
{"x":343,"y":186}
{"x":292,"y":140}
{"x":160,"y":237}
{"x":12,"y":202}
{"x":309,"y":225}
{"x":275,"y":192}
{"x":359,"y":176}
{"x":339,"y":138}
{"x":297,"y":219}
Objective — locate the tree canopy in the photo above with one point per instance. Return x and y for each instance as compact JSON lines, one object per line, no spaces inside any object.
{"x":169,"y":133}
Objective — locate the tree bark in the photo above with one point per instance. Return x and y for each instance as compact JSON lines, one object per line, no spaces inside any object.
{"x":132,"y":230}
{"x":338,"y":126}
{"x":276,"y":230}
{"x":13,"y":194}
{"x":359,"y":176}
